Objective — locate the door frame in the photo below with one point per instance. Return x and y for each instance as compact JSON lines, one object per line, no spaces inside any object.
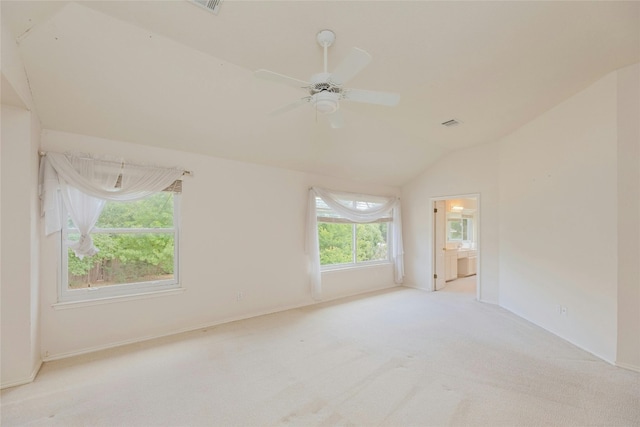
{"x":439,"y":255}
{"x":432,"y":240}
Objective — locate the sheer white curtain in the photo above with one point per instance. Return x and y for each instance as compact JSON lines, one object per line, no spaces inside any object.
{"x":363,"y":214}
{"x":313,"y":247}
{"x":397,"y":247}
{"x":93,"y":176}
{"x":346,"y":210}
{"x":84,"y":183}
{"x":84,"y":211}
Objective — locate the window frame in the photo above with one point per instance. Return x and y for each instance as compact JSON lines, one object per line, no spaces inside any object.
{"x":66,"y":295}
{"x":336,"y":219}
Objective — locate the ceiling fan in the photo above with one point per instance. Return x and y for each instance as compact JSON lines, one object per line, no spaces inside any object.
{"x":326,"y":90}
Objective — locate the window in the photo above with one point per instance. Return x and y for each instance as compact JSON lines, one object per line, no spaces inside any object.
{"x":343,"y":242}
{"x":138,"y":250}
{"x":460,"y":229}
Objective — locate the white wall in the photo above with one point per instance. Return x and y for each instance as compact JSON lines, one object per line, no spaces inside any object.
{"x":19,"y":237}
{"x":35,"y":242}
{"x":560,"y":218}
{"x":558,"y":213}
{"x":20,"y":351}
{"x":470,"y":171}
{"x":13,"y":69}
{"x":629,"y":217}
{"x":242,"y":230}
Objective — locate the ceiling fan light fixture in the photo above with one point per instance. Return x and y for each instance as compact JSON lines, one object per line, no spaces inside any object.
{"x":325,"y":102}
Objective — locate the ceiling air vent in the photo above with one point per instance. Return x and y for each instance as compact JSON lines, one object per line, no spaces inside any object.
{"x":211,"y":5}
{"x":451,"y":123}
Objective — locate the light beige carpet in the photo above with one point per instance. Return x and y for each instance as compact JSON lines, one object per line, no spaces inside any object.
{"x":401,"y":357}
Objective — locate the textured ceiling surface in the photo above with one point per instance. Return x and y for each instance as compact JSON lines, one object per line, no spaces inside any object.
{"x":171,"y":74}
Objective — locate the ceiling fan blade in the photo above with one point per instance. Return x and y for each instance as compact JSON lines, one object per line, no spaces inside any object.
{"x":336,"y":120}
{"x":350,"y":66}
{"x":372,"y":97}
{"x":289,"y":107}
{"x":280,"y":78}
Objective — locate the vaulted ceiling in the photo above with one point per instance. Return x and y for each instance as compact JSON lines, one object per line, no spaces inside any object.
{"x":171,"y":74}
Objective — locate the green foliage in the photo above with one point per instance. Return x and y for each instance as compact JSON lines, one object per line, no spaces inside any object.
{"x":372,"y":241}
{"x":155,"y":211}
{"x":336,"y":242}
{"x":79,"y":267}
{"x":455,"y":229}
{"x":126,"y":257}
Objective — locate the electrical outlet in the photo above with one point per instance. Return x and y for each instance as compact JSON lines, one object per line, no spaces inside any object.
{"x":240,"y":296}
{"x":563,"y":310}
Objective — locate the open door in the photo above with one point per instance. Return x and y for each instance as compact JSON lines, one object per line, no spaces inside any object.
{"x":439,"y":244}
{"x":456,"y":244}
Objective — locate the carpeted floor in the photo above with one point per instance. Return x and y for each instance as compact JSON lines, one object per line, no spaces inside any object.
{"x":401,"y":357}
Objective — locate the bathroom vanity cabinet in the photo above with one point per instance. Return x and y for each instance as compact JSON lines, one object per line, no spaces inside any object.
{"x":467,"y":263}
{"x":451,"y":265}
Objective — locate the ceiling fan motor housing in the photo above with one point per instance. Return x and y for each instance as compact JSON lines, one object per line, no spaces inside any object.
{"x":324,"y":94}
{"x":322,"y":82}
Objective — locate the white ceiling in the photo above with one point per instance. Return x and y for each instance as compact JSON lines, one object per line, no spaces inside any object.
{"x":171,"y":74}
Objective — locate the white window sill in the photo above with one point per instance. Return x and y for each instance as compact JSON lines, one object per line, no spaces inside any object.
{"x":65,"y":305}
{"x":342,"y":267}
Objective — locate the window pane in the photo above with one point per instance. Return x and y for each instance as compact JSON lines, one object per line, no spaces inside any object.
{"x":336,"y":243}
{"x":155,"y":211}
{"x":454,"y":229}
{"x":467,"y":229}
{"x":123,"y":258}
{"x":372,"y":242}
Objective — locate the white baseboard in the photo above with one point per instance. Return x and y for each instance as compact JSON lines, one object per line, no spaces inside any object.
{"x":604,"y":359}
{"x":23,"y":381}
{"x":412,"y":286}
{"x":628,"y":366}
{"x":66,"y":355}
{"x":94,"y":349}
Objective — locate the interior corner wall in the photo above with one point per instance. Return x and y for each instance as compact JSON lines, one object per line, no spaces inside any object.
{"x":242,"y":230}
{"x":558,"y":216}
{"x":19,"y":222}
{"x":34,"y":227}
{"x":629,"y":217}
{"x":469,"y":171}
{"x":19,"y":276}
{"x":12,"y":67}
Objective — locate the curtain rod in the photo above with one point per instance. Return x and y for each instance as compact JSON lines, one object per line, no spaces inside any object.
{"x":184,"y":172}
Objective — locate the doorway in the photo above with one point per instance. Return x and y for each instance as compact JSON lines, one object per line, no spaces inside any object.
{"x":456,"y":244}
